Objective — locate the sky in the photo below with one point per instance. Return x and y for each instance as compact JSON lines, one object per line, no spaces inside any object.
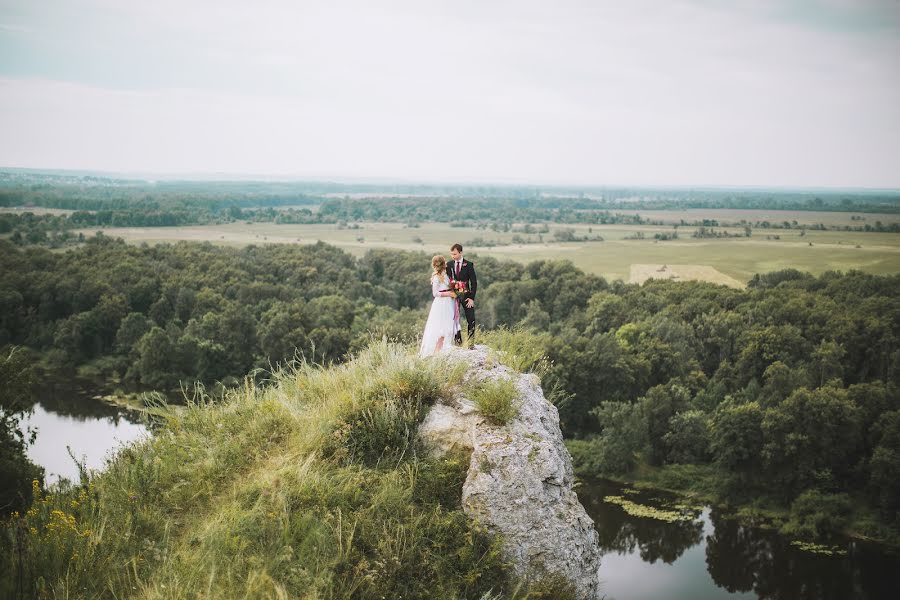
{"x":774,"y":93}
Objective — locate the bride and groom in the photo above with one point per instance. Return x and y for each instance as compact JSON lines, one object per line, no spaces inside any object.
{"x":453,"y":287}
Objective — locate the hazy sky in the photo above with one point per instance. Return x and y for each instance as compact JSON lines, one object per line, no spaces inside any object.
{"x":699,"y":92}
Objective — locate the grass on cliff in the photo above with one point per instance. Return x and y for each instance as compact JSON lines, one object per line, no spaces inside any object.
{"x":307,"y":487}
{"x":497,"y":399}
{"x":517,"y":348}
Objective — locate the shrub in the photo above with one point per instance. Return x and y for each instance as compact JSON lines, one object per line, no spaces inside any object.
{"x":377,"y":404}
{"x":816,"y":514}
{"x":384,"y":429}
{"x":440,"y":481}
{"x":497,"y":399}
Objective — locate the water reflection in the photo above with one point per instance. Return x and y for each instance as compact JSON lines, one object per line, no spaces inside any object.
{"x":740,"y":558}
{"x":77,"y":400}
{"x":68,"y":416}
{"x":652,"y":539}
{"x":714,"y":556}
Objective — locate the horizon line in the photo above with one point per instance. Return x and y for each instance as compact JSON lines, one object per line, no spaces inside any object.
{"x":233,"y":177}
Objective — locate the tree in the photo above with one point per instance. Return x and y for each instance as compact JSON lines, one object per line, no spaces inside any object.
{"x":329,"y":345}
{"x":606,"y":311}
{"x":687,"y":440}
{"x":811,"y":439}
{"x":759,"y":347}
{"x":736,"y":437}
{"x":826,"y":361}
{"x":16,"y":470}
{"x":536,"y":318}
{"x":659,"y":406}
{"x":283,"y":331}
{"x":778,"y":383}
{"x":623,"y":436}
{"x":131,"y":329}
{"x":884,"y":467}
{"x":160,"y":361}
{"x":106,"y":318}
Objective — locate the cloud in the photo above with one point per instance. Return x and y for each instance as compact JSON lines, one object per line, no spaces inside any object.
{"x":641,"y":92}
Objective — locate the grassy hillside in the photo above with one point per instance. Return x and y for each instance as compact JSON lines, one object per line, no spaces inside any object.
{"x":310,"y":486}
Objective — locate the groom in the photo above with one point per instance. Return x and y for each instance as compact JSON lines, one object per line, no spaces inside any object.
{"x":463,"y":270}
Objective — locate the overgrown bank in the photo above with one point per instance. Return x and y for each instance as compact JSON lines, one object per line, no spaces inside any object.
{"x":309,"y":486}
{"x":812,"y":516}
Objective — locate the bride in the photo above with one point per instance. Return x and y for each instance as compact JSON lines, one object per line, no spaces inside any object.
{"x":443,"y":320}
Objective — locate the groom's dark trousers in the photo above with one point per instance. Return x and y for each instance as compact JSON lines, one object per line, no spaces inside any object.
{"x":465,"y":272}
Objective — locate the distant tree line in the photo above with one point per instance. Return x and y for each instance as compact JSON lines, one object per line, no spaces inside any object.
{"x":133,"y":203}
{"x":50,"y":187}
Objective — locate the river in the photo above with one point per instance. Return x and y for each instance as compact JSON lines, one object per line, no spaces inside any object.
{"x":710,"y":556}
{"x":71,"y":417}
{"x":713,"y":556}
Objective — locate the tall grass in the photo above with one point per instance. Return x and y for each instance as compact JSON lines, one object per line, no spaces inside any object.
{"x":496,"y":399}
{"x":523,"y":350}
{"x":306,"y":486}
{"x":518,"y":348}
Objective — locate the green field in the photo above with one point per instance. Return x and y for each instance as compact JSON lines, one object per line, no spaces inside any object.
{"x":738,"y":258}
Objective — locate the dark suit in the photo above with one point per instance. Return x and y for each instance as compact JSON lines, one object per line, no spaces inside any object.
{"x":466,"y":274}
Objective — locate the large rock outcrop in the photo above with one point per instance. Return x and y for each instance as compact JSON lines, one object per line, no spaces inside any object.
{"x":519,"y":482}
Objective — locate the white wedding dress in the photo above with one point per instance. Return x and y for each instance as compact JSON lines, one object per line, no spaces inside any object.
{"x":442,"y":321}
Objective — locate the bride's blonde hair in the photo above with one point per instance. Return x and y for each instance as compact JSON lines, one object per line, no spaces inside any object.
{"x":439,"y":266}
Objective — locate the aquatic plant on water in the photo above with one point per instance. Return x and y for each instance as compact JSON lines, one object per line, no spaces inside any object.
{"x":641,"y":510}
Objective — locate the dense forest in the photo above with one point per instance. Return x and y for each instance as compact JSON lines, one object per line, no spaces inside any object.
{"x":106,"y":202}
{"x":786,"y":390}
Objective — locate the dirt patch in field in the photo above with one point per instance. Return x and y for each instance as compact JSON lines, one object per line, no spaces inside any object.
{"x":641,"y":273}
{"x":38,"y":210}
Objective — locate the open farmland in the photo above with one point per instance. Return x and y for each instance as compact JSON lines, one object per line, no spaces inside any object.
{"x":735,"y":257}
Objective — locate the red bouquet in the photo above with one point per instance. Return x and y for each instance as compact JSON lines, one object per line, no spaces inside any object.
{"x":459,"y":288}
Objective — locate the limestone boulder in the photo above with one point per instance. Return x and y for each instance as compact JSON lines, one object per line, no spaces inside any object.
{"x":520,"y":478}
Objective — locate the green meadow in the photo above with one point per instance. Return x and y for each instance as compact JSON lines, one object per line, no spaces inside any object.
{"x":737,"y":258}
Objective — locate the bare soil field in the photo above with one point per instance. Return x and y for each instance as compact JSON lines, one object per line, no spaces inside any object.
{"x":18,"y":210}
{"x":641,"y":273}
